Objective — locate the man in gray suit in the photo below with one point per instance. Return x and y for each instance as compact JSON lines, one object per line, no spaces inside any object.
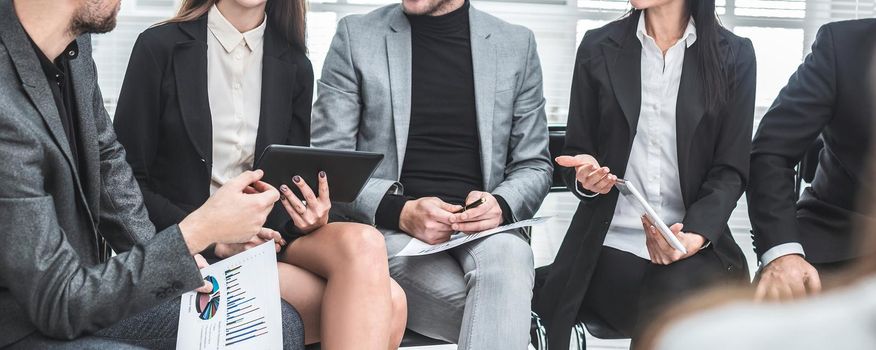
{"x":66,"y":192}
{"x":453,"y":98}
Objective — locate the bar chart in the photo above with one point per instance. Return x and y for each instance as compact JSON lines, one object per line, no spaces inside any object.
{"x":245,"y":321}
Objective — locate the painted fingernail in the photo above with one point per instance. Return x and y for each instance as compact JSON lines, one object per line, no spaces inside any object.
{"x":296,"y":179}
{"x":322,"y":174}
{"x":284,"y":188}
{"x":282,"y":197}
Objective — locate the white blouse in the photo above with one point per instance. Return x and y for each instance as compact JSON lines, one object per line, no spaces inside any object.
{"x":653,"y":163}
{"x":234,"y":87}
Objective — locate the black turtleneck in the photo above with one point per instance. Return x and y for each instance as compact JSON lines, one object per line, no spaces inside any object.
{"x":443,"y":157}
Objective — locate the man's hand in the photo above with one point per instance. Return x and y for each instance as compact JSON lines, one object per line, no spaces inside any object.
{"x":202,"y":263}
{"x":788,"y":277}
{"x":589,"y":174}
{"x":483,"y":217}
{"x":224,"y":250}
{"x":659,"y":249}
{"x":427,"y":219}
{"x":234,"y":214}
{"x":315,"y":213}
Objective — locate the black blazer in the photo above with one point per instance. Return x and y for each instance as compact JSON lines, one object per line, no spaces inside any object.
{"x":713,"y":153}
{"x":830,"y":94}
{"x":163,"y":114}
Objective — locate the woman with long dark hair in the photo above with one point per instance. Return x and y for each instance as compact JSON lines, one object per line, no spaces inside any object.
{"x":204,"y":94}
{"x":663,"y":99}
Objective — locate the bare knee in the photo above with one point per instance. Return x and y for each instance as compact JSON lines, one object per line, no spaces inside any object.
{"x":399,"y":314}
{"x":362,"y":245}
{"x":399,"y":302}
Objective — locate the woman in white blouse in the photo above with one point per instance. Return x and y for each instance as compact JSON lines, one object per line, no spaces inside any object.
{"x":664,"y":99}
{"x":204,"y":94}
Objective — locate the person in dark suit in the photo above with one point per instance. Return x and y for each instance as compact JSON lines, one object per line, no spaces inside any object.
{"x":67,"y":196}
{"x":830,"y":95}
{"x":204,"y":94}
{"x":663,"y":99}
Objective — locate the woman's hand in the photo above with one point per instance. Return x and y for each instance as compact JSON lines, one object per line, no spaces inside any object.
{"x":226,"y":250}
{"x":310,"y":213}
{"x":589,"y":174}
{"x":661,"y":252}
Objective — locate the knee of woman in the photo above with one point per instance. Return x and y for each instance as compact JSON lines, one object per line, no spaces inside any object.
{"x":399,"y":300}
{"x":362,"y":243}
{"x":399,"y":311}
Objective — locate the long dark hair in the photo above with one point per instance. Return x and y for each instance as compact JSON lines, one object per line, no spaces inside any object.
{"x":713,"y":73}
{"x":287,"y":16}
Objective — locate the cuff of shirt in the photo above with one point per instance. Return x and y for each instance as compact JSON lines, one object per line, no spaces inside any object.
{"x":584,"y":192}
{"x":780,"y":251}
{"x":389,"y":211}
{"x":507,"y":215}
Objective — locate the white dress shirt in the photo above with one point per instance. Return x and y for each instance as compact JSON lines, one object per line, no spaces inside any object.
{"x":653,"y":163}
{"x":234,"y":87}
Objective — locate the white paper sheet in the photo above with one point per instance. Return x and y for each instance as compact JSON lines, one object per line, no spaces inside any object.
{"x":242,"y":312}
{"x":417,"y":247}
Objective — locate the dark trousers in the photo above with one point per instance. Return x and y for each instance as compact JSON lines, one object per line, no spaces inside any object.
{"x":626,"y":292}
{"x":155,"y":328}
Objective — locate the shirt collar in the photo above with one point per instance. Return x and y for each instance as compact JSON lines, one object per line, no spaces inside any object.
{"x":689,"y":36}
{"x":228,"y":36}
{"x":55,"y":68}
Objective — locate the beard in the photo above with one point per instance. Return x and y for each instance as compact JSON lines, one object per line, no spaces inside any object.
{"x":430,"y":10}
{"x":94,"y":18}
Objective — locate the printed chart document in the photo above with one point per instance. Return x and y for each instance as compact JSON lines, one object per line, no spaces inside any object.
{"x":417,"y":247}
{"x":243,"y":309}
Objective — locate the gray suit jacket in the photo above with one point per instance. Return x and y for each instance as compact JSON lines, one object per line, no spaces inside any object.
{"x":52,"y":279}
{"x":364,"y":104}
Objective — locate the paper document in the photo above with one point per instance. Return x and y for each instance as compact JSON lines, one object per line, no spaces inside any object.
{"x":417,"y":247}
{"x":242,"y":311}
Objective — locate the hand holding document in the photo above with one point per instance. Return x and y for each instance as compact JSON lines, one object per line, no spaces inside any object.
{"x":242,"y":311}
{"x":416,"y":247}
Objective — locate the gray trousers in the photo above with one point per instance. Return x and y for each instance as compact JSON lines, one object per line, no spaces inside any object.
{"x":155,"y":328}
{"x":476,"y":295}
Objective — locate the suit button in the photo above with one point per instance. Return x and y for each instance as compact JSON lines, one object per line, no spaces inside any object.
{"x":203,"y":161}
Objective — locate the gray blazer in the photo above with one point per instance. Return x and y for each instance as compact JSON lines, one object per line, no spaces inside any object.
{"x":364,"y":104}
{"x":52,"y":279}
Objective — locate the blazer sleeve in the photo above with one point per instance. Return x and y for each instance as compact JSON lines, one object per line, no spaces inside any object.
{"x":583,"y":121}
{"x":335,"y":121}
{"x":62,"y":296}
{"x":728,"y":176}
{"x":302,"y":102}
{"x":789,"y":128}
{"x":529,"y":168}
{"x":137,"y":123}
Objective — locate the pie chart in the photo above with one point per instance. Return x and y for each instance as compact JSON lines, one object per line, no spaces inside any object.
{"x":208,"y":303}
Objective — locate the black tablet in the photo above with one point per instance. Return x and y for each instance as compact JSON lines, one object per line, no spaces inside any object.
{"x":347,"y":171}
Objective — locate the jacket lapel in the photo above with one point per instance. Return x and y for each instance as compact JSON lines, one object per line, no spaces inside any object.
{"x":37,"y":88}
{"x":278,"y":78}
{"x":34,"y":81}
{"x":190,"y":73}
{"x":484,"y":66}
{"x":624,"y":56}
{"x":398,"y":51}
{"x":690,"y":110}
{"x":83,"y":79}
